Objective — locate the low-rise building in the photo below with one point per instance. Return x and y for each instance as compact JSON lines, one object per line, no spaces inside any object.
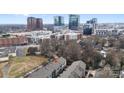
{"x":101,"y":32}
{"x":13,"y":41}
{"x":34,"y":36}
{"x":50,"y":70}
{"x":6,"y":52}
{"x":76,"y":70}
{"x":72,"y":36}
{"x":107,"y":32}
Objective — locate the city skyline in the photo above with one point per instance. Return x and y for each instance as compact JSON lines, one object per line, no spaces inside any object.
{"x":49,"y":18}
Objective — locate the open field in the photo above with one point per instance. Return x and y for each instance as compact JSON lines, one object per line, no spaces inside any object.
{"x":18,"y":66}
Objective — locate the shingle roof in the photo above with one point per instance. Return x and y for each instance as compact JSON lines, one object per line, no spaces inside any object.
{"x":47,"y":70}
{"x":76,"y":70}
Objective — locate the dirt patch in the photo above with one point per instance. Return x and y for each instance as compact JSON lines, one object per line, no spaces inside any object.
{"x":18,"y":66}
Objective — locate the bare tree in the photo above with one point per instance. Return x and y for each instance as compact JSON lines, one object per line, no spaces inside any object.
{"x":72,"y":51}
{"x":117,"y":44}
{"x":61,"y":48}
{"x":114,"y":59}
{"x":45,"y":47}
{"x":122,"y":62}
{"x":91,"y":57}
{"x":121,"y":43}
{"x":111,"y":42}
{"x":32,"y":50}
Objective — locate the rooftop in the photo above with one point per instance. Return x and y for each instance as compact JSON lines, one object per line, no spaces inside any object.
{"x":47,"y":70}
{"x":76,"y":70}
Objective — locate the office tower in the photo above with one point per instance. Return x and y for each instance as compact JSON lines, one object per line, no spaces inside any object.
{"x":34,"y":23}
{"x":90,"y":26}
{"x":31,"y":23}
{"x":87,"y":29}
{"x":39,"y":24}
{"x":94,"y":24}
{"x":74,"y":22}
{"x":58,"y":21}
{"x":92,"y":21}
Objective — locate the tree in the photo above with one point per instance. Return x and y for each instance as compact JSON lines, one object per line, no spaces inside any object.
{"x":121,"y":43}
{"x":117,"y":44}
{"x":32,"y":50}
{"x":103,"y":42}
{"x":111,"y":42}
{"x":96,"y":39}
{"x":51,"y":47}
{"x":97,"y":57}
{"x":114,"y":59}
{"x":91,"y":57}
{"x":122,"y":63}
{"x":45,"y":47}
{"x":61,"y":48}
{"x":72,"y":51}
{"x":54,"y":43}
{"x":87,"y":54}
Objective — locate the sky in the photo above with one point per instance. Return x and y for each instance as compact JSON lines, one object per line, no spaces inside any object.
{"x":49,"y":18}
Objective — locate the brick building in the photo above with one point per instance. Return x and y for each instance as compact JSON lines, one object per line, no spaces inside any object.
{"x":13,"y":41}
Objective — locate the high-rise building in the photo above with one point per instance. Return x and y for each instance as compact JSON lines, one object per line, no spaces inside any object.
{"x":58,"y":21}
{"x":74,"y":22}
{"x":90,"y":26}
{"x":34,"y":23}
{"x":39,"y":24}
{"x":94,"y":20}
{"x":31,"y":23}
{"x":87,"y":29}
{"x":94,"y":23}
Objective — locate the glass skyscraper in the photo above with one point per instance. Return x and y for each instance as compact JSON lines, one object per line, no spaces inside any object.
{"x":87,"y":29}
{"x":74,"y":22}
{"x":90,"y":26}
{"x":58,"y":21}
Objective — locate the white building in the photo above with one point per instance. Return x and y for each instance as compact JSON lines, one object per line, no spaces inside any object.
{"x":68,"y":36}
{"x":107,"y":32}
{"x":101,"y":32}
{"x":34,"y":36}
{"x":32,"y":33}
{"x":58,"y":28}
{"x":6,"y":52}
